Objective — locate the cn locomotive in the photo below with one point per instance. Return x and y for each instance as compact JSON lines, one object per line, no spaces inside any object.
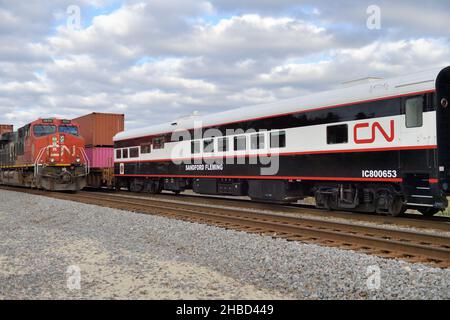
{"x":47,"y":154}
{"x":381,"y":146}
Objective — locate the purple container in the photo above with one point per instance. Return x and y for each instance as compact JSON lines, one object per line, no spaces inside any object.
{"x":100,"y":157}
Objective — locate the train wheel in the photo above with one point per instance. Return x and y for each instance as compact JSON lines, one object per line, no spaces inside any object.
{"x":428,"y":212}
{"x":397,"y":208}
{"x":135,"y":186}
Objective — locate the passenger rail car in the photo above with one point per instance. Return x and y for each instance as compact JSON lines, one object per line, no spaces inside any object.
{"x":47,"y":154}
{"x":381,"y":146}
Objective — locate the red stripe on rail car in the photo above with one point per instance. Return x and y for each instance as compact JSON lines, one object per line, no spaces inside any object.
{"x":261,"y":177}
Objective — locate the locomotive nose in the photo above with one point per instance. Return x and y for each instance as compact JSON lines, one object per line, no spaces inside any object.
{"x":66,"y":177}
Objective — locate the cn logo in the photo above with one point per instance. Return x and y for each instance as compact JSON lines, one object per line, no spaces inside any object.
{"x":375,"y":126}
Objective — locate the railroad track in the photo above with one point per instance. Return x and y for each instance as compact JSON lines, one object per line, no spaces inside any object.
{"x":409,"y":220}
{"x":407,"y":245}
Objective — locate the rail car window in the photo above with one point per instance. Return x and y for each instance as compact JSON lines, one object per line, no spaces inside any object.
{"x":125,"y":153}
{"x":337,"y":134}
{"x":41,"y":130}
{"x":118,"y":154}
{"x":278,"y":139}
{"x":240,"y":143}
{"x":134,"y":152}
{"x":69,"y":129}
{"x":208,"y":145}
{"x":222,"y":144}
{"x":146,"y":148}
{"x":158,"y":143}
{"x":195,"y":147}
{"x":257,"y":141}
{"x":414,"y":112}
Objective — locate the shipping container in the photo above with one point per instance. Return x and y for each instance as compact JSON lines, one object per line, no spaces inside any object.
{"x":101,"y":173}
{"x":100,"y":157}
{"x":98,"y":129}
{"x":4,"y":128}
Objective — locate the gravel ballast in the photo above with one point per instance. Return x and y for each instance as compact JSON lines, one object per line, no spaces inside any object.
{"x":45,"y":244}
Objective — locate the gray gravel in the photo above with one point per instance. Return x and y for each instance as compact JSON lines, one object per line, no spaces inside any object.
{"x":121,"y":254}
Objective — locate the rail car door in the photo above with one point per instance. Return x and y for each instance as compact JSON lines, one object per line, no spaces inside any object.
{"x":443,"y":127}
{"x":418,"y":130}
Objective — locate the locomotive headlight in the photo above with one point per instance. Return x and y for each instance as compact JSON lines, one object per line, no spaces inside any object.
{"x":444,"y":103}
{"x":52,"y":160}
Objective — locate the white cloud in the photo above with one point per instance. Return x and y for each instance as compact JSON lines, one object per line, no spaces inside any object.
{"x":161,"y":59}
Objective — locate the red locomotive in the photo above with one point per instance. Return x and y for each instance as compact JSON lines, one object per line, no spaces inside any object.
{"x":47,"y":154}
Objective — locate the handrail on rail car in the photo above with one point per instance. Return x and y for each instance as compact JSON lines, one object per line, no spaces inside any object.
{"x":86,"y":159}
{"x":36,"y":163}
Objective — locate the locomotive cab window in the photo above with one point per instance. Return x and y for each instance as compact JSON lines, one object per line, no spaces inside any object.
{"x":337,"y":134}
{"x":118,"y":154}
{"x":278,"y":139}
{"x":414,"y":112}
{"x":41,"y":130}
{"x":134,"y":152}
{"x":73,"y":130}
{"x":240,"y":143}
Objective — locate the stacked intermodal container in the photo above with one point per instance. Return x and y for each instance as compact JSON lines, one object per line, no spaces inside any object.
{"x":4,"y":128}
{"x":98,"y":130}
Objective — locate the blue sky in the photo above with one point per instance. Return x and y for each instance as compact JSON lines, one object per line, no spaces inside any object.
{"x":158,"y":60}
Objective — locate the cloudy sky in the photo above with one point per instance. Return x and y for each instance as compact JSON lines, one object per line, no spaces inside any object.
{"x":159,"y":60}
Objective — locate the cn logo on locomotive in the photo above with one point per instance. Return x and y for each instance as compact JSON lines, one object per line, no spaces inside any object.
{"x":375,"y":126}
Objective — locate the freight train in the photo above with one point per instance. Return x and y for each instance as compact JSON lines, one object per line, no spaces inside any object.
{"x":382,"y":146}
{"x":46,"y":153}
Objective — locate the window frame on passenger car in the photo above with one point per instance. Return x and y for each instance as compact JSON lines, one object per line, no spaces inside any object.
{"x":279,"y":133}
{"x":158,"y":142}
{"x":223,"y":147}
{"x":125,"y":153}
{"x":134,"y":152}
{"x":257,"y":141}
{"x":118,"y":153}
{"x":236,"y":144}
{"x":196,"y":147}
{"x":337,"y":127}
{"x":146,"y":148}
{"x":409,"y":123}
{"x":208,"y":145}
